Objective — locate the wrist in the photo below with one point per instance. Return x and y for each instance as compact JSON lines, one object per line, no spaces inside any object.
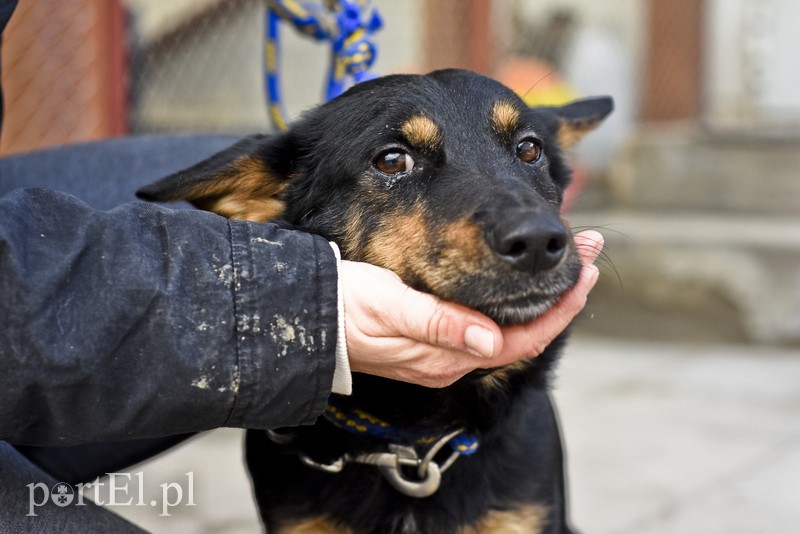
{"x":342,"y":376}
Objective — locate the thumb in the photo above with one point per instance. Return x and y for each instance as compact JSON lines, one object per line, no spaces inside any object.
{"x":431,"y":320}
{"x":589,"y":244}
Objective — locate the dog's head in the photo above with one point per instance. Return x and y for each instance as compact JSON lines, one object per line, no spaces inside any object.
{"x":447,"y":179}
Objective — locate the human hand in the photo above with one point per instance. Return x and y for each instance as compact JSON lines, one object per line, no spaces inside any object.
{"x":396,"y":332}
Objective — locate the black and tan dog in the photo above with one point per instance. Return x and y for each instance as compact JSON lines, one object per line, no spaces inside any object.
{"x":452,"y":182}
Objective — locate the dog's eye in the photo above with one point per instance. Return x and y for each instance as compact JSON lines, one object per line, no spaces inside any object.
{"x":529,"y":150}
{"x":394,"y":162}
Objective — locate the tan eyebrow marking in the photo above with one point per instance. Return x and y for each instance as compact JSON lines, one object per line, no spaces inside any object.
{"x":421,"y":131}
{"x":505,"y":117}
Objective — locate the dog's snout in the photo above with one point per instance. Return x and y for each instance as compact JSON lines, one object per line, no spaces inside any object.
{"x":529,"y":242}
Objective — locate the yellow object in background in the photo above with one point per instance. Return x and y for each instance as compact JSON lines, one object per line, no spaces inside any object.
{"x":538,"y":83}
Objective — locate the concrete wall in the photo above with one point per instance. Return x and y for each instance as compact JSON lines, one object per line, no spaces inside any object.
{"x":752,"y":74}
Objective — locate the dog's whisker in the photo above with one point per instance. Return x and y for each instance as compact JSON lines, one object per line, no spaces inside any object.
{"x":603,"y":260}
{"x":604,"y":227}
{"x":543,"y":78}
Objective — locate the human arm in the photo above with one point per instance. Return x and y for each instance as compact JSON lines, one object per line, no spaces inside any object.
{"x":143,"y":321}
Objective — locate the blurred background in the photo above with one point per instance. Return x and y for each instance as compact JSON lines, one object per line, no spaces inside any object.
{"x":681,"y":394}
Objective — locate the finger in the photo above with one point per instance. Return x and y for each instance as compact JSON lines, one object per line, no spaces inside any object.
{"x":433,"y":321}
{"x":589,"y":245}
{"x":531,"y":339}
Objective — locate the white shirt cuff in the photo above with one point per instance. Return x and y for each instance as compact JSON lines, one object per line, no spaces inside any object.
{"x":342,"y":378}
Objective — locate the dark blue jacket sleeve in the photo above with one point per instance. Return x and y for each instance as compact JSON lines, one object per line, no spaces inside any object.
{"x":143,"y":321}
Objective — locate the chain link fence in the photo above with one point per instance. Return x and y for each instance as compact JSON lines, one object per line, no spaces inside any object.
{"x":79,"y":70}
{"x":196,"y":66}
{"x":62,"y":74}
{"x":201,"y":68}
{"x":76,"y":70}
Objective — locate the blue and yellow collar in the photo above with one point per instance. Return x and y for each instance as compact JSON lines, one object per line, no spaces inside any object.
{"x":358,"y":422}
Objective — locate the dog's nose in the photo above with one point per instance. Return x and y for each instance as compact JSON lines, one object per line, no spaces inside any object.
{"x":530,"y":242}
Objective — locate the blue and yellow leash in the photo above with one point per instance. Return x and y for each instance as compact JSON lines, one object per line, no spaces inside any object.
{"x":347,"y":24}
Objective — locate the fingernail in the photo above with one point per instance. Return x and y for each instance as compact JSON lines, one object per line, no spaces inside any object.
{"x":479,"y":341}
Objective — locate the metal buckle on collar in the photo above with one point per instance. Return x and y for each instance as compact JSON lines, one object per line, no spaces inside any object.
{"x":391,"y":465}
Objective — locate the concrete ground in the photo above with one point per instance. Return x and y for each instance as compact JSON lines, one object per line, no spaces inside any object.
{"x":661,"y":438}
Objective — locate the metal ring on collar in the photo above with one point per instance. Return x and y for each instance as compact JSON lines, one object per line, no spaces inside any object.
{"x":391,"y":463}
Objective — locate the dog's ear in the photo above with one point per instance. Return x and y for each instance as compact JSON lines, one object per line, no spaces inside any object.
{"x":580,"y":117}
{"x":245,"y":181}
